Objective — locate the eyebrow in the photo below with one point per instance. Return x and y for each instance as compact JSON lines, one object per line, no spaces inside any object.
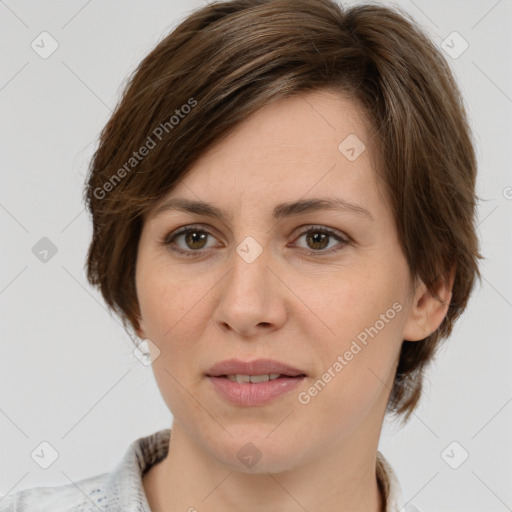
{"x":280,"y":212}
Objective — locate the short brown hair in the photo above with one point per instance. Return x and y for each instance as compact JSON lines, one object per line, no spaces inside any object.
{"x":229,"y":59}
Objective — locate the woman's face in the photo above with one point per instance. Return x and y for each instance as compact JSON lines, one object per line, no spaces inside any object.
{"x":323,"y":290}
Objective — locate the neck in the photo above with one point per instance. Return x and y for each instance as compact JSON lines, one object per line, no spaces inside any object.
{"x":190,"y":479}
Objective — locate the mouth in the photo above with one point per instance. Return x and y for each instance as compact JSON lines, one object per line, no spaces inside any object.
{"x":253,"y":383}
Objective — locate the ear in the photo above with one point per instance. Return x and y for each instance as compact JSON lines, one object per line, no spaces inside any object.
{"x":427,"y":312}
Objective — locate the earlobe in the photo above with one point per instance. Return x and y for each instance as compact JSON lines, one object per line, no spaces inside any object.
{"x":428,"y":311}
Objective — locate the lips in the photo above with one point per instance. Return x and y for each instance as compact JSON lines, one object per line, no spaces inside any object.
{"x":253,"y":383}
{"x":256,"y":367}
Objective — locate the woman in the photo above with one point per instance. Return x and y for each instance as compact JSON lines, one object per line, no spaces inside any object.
{"x":283,"y":206}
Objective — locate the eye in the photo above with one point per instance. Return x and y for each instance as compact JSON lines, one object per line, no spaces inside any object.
{"x":194,"y":238}
{"x":318,"y":239}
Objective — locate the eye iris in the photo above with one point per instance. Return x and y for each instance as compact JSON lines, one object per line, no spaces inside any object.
{"x":317,"y":238}
{"x":192,"y":237}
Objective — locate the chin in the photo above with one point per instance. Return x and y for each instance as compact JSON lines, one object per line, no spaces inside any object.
{"x":254,"y":451}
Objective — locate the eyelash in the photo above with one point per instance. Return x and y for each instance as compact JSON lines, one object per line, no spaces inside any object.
{"x":169,"y":240}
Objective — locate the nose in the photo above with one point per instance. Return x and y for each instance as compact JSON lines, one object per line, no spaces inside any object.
{"x":252,"y":298}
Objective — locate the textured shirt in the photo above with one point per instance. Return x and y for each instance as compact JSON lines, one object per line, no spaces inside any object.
{"x":122,"y":490}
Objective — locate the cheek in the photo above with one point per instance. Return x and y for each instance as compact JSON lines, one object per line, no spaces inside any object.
{"x":365,"y":316}
{"x":165,"y":297}
{"x":356,"y":380}
{"x":358,"y":300}
{"x":169,"y":308}
{"x":174,"y":313}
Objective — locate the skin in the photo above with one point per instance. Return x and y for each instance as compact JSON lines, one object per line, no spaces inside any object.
{"x":300,"y":308}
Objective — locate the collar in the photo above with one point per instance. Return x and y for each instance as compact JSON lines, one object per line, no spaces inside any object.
{"x":122,"y":489}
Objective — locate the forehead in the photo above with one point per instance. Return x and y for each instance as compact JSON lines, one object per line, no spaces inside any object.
{"x":307,"y":124}
{"x":311,"y":144}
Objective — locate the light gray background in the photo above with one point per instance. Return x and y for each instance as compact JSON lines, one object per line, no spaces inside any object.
{"x":68,"y":375}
